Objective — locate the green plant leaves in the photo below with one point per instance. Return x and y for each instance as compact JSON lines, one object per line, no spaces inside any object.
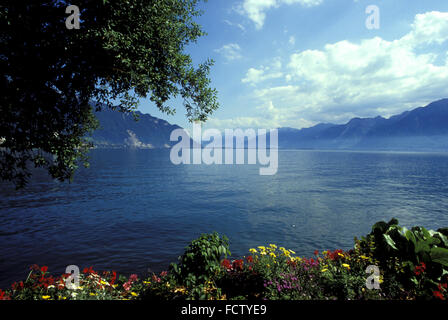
{"x":439,"y":255}
{"x":389,"y":241}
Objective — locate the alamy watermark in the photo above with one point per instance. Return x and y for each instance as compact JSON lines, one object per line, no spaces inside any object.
{"x":373,"y":281}
{"x":373,"y":20}
{"x":190,"y":150}
{"x":73,"y":20}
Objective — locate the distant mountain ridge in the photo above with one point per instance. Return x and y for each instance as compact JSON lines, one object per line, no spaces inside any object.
{"x":424,"y":128}
{"x":120,"y":130}
{"x":421,"y":129}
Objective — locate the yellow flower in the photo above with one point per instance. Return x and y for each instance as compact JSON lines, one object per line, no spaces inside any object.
{"x":292,"y":252}
{"x":268,"y":265}
{"x":345,"y":265}
{"x":364,"y":257}
{"x":272,"y":254}
{"x":263,"y":253}
{"x":262,"y":248}
{"x":46,"y":297}
{"x":282,"y":249}
{"x":145,"y":282}
{"x":340,"y":254}
{"x":181,"y":290}
{"x":92,"y":294}
{"x":134,"y":294}
{"x":253,"y":250}
{"x":104,"y":282}
{"x":323,"y":270}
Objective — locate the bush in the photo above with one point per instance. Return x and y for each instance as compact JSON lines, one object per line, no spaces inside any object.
{"x":412,"y":263}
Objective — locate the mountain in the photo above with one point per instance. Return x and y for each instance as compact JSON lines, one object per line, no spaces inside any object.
{"x":421,"y":129}
{"x":120,"y":130}
{"x":424,"y":128}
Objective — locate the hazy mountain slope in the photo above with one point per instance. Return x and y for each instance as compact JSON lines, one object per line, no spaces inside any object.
{"x":121,"y":130}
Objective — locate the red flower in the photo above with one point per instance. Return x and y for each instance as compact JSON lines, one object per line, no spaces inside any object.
{"x":250,"y":259}
{"x":420,"y":269}
{"x":238,"y":264}
{"x":44,"y":269}
{"x":89,"y":270}
{"x":226,"y":264}
{"x":438,"y":295}
{"x":163,"y":273}
{"x":114,"y":277}
{"x":335,"y":255}
{"x":3,"y":295}
{"x":316,"y":253}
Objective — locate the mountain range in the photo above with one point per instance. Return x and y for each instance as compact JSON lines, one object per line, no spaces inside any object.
{"x":421,"y":129}
{"x":120,"y":130}
{"x":424,"y":128}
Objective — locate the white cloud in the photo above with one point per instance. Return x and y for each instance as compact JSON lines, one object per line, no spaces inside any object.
{"x":255,"y":10}
{"x":231,"y":51}
{"x":367,"y":78}
{"x":237,"y":25}
{"x":292,"y":40}
{"x":267,"y":116}
{"x":254,"y":76}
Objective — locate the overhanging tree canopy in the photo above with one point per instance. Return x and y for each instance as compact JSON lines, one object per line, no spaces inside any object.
{"x":124,"y":50}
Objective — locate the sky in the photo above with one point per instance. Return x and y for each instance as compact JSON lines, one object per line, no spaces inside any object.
{"x":297,"y":63}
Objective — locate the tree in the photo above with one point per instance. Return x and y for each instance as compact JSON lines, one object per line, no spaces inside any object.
{"x":123,"y":51}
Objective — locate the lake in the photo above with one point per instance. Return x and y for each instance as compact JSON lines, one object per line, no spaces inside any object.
{"x":133,"y":211}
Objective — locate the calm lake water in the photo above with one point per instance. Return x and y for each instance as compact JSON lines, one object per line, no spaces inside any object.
{"x":133,"y":210}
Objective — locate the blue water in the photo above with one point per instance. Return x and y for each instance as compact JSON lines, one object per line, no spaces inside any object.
{"x":134,"y":211}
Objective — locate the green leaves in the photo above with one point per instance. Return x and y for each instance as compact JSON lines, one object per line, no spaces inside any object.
{"x":200,"y":262}
{"x":439,"y":255}
{"x":124,"y":51}
{"x":389,"y":241}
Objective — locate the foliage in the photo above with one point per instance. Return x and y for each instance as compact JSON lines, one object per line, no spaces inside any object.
{"x":415,"y":258}
{"x":272,"y":273}
{"x":200,"y":265}
{"x":123,"y":51}
{"x":41,"y":285}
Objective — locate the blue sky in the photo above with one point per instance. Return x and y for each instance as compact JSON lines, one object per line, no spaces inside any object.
{"x":295,"y":63}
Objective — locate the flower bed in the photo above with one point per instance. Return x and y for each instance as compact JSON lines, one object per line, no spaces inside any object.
{"x":412,"y":264}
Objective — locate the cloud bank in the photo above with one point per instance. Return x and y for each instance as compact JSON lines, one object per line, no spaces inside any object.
{"x":256,"y":10}
{"x":368,"y":78}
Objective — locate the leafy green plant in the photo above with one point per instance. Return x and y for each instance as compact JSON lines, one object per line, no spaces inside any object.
{"x":199,"y":266}
{"x":416,"y":258}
